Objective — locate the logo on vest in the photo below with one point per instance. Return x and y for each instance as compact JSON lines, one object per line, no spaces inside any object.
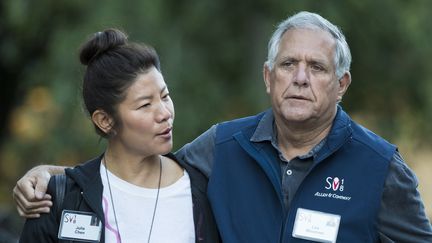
{"x":333,"y":184}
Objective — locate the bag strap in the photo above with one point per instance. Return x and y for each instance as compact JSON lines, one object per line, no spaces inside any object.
{"x":60,"y":182}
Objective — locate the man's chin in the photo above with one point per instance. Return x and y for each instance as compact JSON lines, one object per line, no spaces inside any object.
{"x":296,"y":115}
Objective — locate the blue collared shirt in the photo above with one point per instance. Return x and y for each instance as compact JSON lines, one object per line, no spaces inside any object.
{"x":293,"y":171}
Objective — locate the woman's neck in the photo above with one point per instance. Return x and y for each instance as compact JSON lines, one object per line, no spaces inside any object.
{"x":136,"y":169}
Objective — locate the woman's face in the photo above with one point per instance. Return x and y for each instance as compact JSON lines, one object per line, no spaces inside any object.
{"x":146,"y":116}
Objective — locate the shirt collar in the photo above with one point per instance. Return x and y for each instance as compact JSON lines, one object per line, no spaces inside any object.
{"x":266,"y":131}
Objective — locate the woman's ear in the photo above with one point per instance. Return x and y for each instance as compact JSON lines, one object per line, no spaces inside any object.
{"x":103,"y":121}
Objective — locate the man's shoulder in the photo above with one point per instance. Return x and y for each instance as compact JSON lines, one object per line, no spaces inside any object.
{"x":245,"y":120}
{"x":363,"y":137}
{"x":373,"y":141}
{"x":228,"y":128}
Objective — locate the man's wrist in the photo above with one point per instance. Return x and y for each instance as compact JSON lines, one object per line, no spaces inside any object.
{"x":55,"y":169}
{"x":50,"y":169}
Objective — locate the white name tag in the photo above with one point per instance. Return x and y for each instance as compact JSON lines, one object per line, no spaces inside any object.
{"x":316,"y":226}
{"x":80,"y":226}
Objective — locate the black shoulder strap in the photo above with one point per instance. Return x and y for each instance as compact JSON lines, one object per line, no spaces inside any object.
{"x":60,"y":182}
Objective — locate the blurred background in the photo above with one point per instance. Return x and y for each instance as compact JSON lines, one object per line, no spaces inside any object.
{"x":212,"y":54}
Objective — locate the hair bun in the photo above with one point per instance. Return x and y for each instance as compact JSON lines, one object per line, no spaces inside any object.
{"x":100,"y":43}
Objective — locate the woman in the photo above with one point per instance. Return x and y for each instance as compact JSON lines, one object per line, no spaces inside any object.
{"x":136,"y":191}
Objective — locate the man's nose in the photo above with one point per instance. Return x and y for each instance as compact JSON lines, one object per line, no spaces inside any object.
{"x":301,"y":77}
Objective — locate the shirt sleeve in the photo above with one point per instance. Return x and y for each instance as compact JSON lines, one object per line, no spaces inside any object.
{"x":199,"y":152}
{"x":402,"y":216}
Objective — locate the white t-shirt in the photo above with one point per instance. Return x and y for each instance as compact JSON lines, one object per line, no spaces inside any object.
{"x":134,"y":207}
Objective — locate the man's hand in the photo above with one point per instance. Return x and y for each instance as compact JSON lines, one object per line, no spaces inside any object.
{"x":30,"y":191}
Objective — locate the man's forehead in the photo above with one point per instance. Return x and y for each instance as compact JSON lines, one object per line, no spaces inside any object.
{"x":307,"y":42}
{"x":318,"y":35}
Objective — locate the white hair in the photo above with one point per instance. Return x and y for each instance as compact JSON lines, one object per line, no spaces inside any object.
{"x":307,"y":20}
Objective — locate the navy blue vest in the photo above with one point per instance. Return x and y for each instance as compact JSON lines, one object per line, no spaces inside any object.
{"x":346,"y":179}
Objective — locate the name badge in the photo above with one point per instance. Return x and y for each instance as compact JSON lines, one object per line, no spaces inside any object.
{"x":79,"y":226}
{"x":315,"y":225}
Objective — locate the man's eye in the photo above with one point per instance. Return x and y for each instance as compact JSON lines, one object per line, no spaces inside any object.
{"x":287,"y":64}
{"x":317,"y":68}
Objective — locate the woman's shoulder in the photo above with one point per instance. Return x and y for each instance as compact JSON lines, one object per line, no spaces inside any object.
{"x":172,"y":170}
{"x":197,"y":179}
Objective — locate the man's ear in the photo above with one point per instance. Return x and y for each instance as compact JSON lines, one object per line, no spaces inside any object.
{"x":266,"y":76}
{"x":103,"y":121}
{"x":344,"y":83}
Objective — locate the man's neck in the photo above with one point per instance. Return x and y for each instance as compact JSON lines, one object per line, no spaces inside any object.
{"x":295,"y":141}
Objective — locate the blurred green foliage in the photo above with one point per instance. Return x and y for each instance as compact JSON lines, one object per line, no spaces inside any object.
{"x":212,"y":54}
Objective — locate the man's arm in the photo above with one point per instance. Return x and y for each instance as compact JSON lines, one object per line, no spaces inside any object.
{"x":199,"y":152}
{"x":45,"y":228}
{"x":30,"y":191}
{"x":402,"y":216}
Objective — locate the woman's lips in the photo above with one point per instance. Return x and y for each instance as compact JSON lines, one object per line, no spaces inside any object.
{"x":165,"y":133}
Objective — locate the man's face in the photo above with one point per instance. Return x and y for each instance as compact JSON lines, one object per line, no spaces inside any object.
{"x":302,"y":85}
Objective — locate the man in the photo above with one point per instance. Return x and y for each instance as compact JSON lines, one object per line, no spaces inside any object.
{"x":302,"y":170}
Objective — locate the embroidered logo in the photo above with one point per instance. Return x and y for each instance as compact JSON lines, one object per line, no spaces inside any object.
{"x":334,"y":187}
{"x":334,"y":184}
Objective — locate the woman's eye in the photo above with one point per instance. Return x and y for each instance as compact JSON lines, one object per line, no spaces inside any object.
{"x":165,"y":96}
{"x":144,"y":106}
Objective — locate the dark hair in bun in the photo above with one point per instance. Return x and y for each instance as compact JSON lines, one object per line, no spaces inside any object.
{"x":113,"y":64}
{"x":101,"y":42}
